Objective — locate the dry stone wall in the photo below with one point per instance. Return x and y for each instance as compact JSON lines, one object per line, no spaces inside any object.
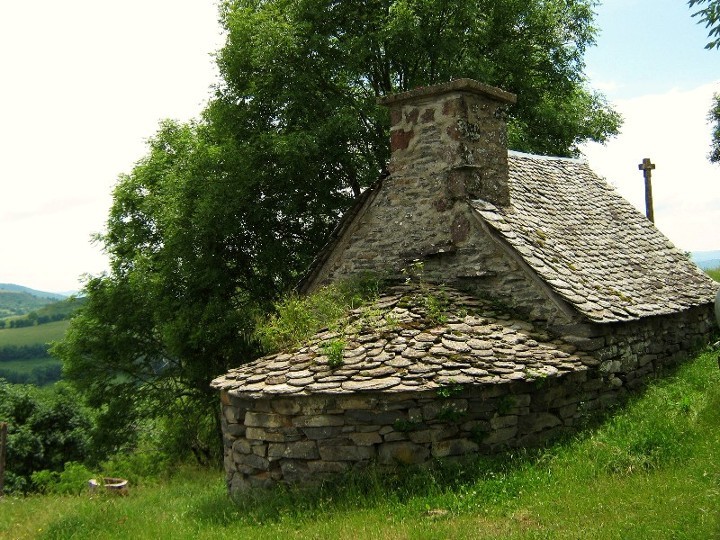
{"x":418,"y":391}
{"x":627,"y":353}
{"x":309,"y":439}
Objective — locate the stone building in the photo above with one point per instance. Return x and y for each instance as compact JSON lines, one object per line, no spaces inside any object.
{"x":556,"y":297}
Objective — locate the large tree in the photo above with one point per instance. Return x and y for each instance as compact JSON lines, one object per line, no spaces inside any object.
{"x":709,"y":15}
{"x":224,"y":214}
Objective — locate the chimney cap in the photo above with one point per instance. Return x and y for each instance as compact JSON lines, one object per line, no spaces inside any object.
{"x":457,"y":85}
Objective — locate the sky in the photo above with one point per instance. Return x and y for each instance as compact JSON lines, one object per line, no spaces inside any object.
{"x":85,"y":83}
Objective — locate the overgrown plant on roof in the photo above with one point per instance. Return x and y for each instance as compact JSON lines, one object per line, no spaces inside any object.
{"x":296,"y":318}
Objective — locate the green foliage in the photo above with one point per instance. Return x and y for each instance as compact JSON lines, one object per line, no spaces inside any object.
{"x":223,"y":215}
{"x":310,"y":71}
{"x":33,"y":335}
{"x":714,"y":119}
{"x":46,"y":428}
{"x":506,"y":404}
{"x":35,"y":371}
{"x":434,"y":300}
{"x":406,"y":426}
{"x":629,"y":477}
{"x":715,"y":274}
{"x":333,"y":349}
{"x":449,"y":390}
{"x":450,"y":413}
{"x":72,"y":480}
{"x":297,"y":318}
{"x":709,"y":15}
{"x":14,"y":303}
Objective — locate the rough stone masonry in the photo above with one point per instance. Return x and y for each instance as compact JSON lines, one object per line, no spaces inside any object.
{"x":544,"y":297}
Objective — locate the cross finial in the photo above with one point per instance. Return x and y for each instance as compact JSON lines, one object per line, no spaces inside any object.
{"x":646,"y":167}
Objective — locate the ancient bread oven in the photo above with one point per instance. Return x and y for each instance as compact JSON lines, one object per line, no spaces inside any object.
{"x":558,"y":297}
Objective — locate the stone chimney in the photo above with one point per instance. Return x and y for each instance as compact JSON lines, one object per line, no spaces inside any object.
{"x":456,"y":130}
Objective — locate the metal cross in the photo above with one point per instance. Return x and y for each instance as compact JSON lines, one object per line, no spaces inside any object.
{"x":646,"y":167}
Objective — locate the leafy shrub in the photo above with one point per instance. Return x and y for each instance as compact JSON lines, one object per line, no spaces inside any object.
{"x":298,"y":318}
{"x":334,"y":352}
{"x":72,"y":480}
{"x":46,"y":428}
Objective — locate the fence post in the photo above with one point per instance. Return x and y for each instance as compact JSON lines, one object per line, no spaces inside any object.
{"x":3,"y":442}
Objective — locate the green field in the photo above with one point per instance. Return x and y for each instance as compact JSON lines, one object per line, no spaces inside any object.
{"x":29,"y":335}
{"x":651,"y":471}
{"x":27,"y":366}
{"x":715,"y":273}
{"x":15,"y":303}
{"x":28,"y":370}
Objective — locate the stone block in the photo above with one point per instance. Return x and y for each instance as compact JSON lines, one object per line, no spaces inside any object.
{"x":293,"y":450}
{"x":309,"y":472}
{"x":259,"y":450}
{"x":319,"y":420}
{"x":234,"y":430}
{"x":366,"y":439}
{"x":500,"y":422}
{"x":453,"y":447}
{"x":346,"y":453}
{"x":251,"y":461}
{"x":406,"y":453}
{"x":420,"y":437}
{"x":265,"y":420}
{"x":532,"y":423}
{"x":357,"y":402}
{"x":261,"y":434}
{"x":316,"y":433}
{"x":444,"y":431}
{"x":500,"y":435}
{"x":232,"y":415}
{"x":360,"y":416}
{"x":287,"y":407}
{"x":242,"y":446}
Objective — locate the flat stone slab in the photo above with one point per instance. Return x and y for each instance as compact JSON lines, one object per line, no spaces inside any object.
{"x":412,"y":354}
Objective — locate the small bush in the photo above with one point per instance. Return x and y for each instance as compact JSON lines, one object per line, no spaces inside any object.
{"x":73,"y":480}
{"x":334,"y":352}
{"x":298,"y":318}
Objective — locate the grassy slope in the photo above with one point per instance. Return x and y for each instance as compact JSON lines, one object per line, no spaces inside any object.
{"x":651,"y":471}
{"x":19,"y":303}
{"x":26,"y":366}
{"x":43,"y":333}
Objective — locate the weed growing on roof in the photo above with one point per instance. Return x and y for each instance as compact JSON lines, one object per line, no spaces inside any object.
{"x":297,"y":318}
{"x":434,"y":300}
{"x":334,"y":351}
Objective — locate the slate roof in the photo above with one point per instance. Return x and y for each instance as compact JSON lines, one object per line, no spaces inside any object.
{"x":396,"y":346}
{"x":590,"y":245}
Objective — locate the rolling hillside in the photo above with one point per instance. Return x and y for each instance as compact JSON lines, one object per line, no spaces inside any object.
{"x":16,"y":300}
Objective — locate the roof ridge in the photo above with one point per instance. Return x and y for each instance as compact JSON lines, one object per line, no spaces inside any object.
{"x":516,"y":153}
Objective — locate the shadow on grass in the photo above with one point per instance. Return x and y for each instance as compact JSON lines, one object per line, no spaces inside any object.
{"x":651,"y":429}
{"x":492,"y":479}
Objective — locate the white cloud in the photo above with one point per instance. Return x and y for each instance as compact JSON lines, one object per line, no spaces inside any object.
{"x":671,"y":129}
{"x":84,"y":86}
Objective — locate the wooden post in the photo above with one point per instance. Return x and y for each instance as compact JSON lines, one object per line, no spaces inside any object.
{"x":3,"y":442}
{"x":646,"y":167}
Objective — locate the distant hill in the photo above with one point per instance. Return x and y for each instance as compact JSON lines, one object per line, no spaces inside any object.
{"x":16,"y":300}
{"x":707,"y":260}
{"x":11,"y":287}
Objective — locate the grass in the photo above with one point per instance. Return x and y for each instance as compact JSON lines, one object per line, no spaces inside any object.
{"x":714,"y":273}
{"x":30,"y":335}
{"x":26,"y":366}
{"x":649,"y":471}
